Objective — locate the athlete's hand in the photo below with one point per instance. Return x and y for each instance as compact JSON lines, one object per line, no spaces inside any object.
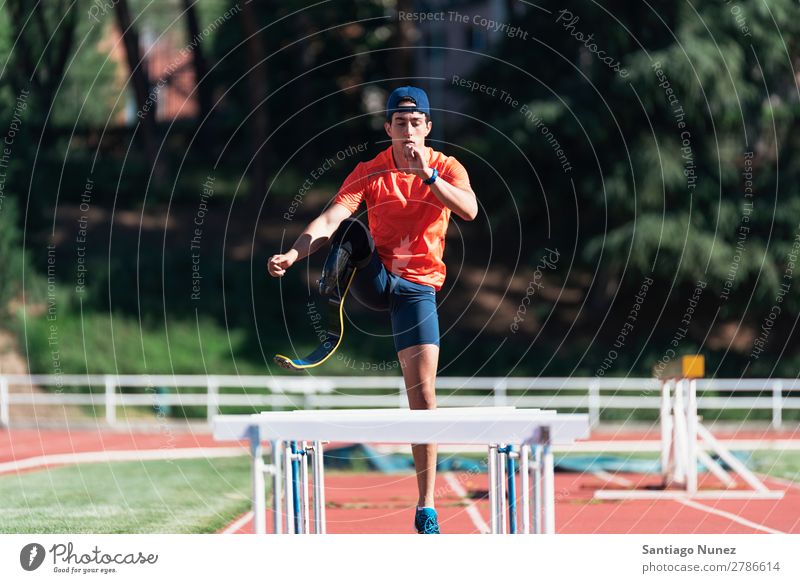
{"x":417,"y":160}
{"x":278,"y":264}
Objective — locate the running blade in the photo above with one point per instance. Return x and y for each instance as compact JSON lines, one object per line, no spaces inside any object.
{"x":320,"y":354}
{"x":333,"y":336}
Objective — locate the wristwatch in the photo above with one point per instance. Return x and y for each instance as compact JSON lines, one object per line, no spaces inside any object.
{"x":433,"y":177}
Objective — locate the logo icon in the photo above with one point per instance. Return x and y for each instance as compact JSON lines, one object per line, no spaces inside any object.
{"x":31,"y":556}
{"x":402,"y":254}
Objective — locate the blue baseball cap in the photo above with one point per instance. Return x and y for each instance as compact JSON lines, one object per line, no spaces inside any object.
{"x":407,"y":93}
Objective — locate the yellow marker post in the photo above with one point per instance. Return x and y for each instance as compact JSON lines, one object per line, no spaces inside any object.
{"x":693,"y":367}
{"x":685,"y":367}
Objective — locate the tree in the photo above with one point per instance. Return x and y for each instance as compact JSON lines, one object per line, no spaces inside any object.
{"x":401,"y":62}
{"x":44,"y":35}
{"x":257,"y":94}
{"x":199,"y":63}
{"x":658,"y":155}
{"x":137,"y":65}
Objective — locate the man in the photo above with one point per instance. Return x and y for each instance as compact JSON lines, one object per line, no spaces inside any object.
{"x":410,"y":191}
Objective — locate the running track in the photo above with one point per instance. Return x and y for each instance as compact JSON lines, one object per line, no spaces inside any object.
{"x":378,"y":503}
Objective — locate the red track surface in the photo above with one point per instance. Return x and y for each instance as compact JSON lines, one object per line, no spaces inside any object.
{"x":373,"y":503}
{"x":378,"y":503}
{"x":20,"y":444}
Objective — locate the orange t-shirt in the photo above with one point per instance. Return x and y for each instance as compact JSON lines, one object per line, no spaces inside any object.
{"x":407,"y":221}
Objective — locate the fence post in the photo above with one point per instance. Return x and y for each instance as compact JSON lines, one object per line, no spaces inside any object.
{"x":111,"y":400}
{"x":212,"y":398}
{"x":500,"y":393}
{"x":278,"y":392}
{"x":777,"y":404}
{"x":594,"y":403}
{"x":4,"y":412}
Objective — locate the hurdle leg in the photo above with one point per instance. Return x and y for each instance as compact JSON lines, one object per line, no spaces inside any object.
{"x":318,"y":469}
{"x":298,"y":506}
{"x":276,"y":487}
{"x":524,"y":479}
{"x":680,"y":440}
{"x":501,"y":487}
{"x":288,"y":499}
{"x":257,"y":469}
{"x":512,"y":491}
{"x":549,"y":490}
{"x":691,"y":430}
{"x":493,"y":514}
{"x":666,"y":432}
{"x":537,"y":489}
{"x":305,"y":520}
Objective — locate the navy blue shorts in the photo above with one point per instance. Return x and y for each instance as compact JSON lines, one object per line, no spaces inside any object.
{"x":412,"y":305}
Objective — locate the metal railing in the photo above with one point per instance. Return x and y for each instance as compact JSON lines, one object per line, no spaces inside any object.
{"x":590,"y":394}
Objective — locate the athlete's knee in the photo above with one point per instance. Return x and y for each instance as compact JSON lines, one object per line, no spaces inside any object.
{"x":351,"y":248}
{"x":426,"y":401}
{"x":421,"y":396}
{"x":356,"y":237}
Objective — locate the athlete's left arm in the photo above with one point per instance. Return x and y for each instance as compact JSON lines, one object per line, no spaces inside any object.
{"x":459,"y":200}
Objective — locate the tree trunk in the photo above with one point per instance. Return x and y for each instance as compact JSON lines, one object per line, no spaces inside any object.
{"x":137,"y":64}
{"x":401,"y":61}
{"x":258,"y":86}
{"x":199,"y":63}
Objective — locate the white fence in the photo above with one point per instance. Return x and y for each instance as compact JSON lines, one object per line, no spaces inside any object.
{"x":592,"y":395}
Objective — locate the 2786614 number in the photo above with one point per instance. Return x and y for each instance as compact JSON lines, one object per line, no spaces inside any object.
{"x":755,"y":566}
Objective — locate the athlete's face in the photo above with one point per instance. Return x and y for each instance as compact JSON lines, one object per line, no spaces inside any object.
{"x":408,"y":128}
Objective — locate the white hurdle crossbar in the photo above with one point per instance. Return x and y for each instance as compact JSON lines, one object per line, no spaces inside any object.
{"x":533,"y":430}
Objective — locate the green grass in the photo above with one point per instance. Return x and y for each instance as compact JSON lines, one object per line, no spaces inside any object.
{"x":780,"y":464}
{"x":174,"y":497}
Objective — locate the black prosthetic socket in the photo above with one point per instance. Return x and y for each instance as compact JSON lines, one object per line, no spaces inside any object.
{"x":336,"y":272}
{"x":351,"y":249}
{"x":357,"y":234}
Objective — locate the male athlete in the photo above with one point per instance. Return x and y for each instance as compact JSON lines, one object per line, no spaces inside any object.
{"x":410,"y":191}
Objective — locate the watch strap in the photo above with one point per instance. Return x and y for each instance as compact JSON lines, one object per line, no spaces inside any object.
{"x":433,"y":177}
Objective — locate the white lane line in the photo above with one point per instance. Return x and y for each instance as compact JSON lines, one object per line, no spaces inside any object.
{"x":603,"y":475}
{"x":234,"y":526}
{"x":728,"y":515}
{"x":620,"y":445}
{"x":120,"y":456}
{"x":472,"y":510}
{"x":650,"y":445}
{"x":777,"y":480}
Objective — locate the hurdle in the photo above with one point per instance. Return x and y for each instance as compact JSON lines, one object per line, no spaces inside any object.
{"x":532,"y":431}
{"x":684,"y":441}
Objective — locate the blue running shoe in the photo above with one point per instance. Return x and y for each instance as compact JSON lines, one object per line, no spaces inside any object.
{"x":425,"y":521}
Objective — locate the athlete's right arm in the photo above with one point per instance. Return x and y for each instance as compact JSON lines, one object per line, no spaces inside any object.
{"x":315,"y":236}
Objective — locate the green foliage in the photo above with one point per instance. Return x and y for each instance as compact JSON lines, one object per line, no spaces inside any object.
{"x":88,"y":341}
{"x":318,"y":56}
{"x":654,"y":188}
{"x":54,"y":50}
{"x":90,"y":95}
{"x":659,"y":155}
{"x":14,"y":258}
